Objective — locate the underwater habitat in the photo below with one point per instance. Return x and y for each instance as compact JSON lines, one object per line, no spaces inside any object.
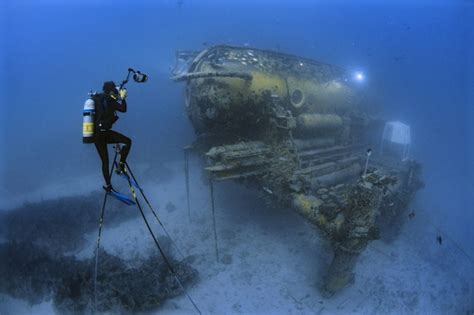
{"x":236,"y":157}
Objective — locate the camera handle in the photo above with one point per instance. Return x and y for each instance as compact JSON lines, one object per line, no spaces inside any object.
{"x":130,"y":71}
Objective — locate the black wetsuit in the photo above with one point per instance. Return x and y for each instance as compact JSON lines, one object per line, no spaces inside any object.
{"x":105,"y":109}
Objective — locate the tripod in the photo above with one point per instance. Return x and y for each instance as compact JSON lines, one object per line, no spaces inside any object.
{"x":133,"y":184}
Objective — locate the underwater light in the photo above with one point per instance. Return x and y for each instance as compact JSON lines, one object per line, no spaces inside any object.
{"x":359,"y":76}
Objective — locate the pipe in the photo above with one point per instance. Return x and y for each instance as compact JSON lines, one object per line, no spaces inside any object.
{"x":200,"y":75}
{"x":336,"y":177}
{"x":319,"y":122}
{"x":302,"y":144}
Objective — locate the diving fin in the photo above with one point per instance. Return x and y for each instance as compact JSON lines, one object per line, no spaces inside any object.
{"x":125,"y":175}
{"x":121,"y":197}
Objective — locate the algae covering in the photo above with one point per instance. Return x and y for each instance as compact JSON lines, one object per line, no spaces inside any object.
{"x":31,"y":273}
{"x":298,"y":130}
{"x":244,"y":80}
{"x":37,"y":264}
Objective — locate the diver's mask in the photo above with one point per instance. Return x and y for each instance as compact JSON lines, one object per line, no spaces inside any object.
{"x":114,"y":93}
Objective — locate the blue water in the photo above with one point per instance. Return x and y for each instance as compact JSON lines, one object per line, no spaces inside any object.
{"x":417,"y":59}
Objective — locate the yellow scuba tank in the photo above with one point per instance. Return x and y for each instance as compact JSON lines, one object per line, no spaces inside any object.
{"x":88,"y":120}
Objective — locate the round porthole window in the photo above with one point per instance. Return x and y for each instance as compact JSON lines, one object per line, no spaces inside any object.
{"x":297,"y":98}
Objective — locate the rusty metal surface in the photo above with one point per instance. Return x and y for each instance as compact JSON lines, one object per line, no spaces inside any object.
{"x":295,"y":128}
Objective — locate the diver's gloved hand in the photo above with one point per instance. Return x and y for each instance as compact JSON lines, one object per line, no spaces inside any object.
{"x":123,"y":93}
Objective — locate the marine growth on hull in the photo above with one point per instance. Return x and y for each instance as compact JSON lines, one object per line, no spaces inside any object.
{"x":298,"y":130}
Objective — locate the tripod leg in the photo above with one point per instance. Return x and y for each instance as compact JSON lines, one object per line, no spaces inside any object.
{"x":160,"y":249}
{"x":101,"y":223}
{"x":153,"y":210}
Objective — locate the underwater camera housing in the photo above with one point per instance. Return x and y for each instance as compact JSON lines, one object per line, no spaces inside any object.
{"x":138,"y":77}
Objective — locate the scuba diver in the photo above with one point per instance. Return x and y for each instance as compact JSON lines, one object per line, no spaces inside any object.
{"x":98,"y":118}
{"x":107,"y":103}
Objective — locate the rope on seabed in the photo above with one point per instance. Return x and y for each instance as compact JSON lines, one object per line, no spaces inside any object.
{"x":459,"y":247}
{"x":456,"y":244}
{"x":429,"y":221}
{"x":165,"y":258}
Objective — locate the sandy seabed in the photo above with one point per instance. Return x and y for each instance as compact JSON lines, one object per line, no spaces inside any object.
{"x":271,"y":261}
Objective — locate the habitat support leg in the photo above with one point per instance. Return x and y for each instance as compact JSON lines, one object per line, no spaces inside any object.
{"x":186,"y":175}
{"x":340,"y":273}
{"x":214,"y":219}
